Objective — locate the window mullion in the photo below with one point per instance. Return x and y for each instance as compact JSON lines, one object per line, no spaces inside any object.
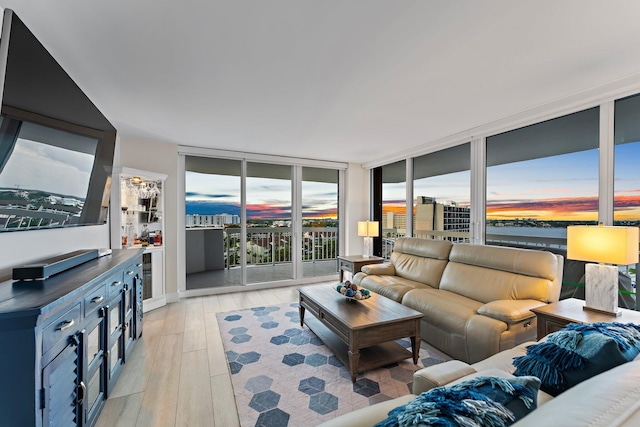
{"x":606,"y":164}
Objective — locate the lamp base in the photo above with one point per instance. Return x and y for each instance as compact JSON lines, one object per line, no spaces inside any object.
{"x":601,"y":288}
{"x":368,"y":247}
{"x":595,"y":310}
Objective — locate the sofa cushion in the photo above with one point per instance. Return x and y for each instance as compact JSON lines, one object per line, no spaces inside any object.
{"x":579,"y":352}
{"x":392,"y":287}
{"x":491,"y":401}
{"x":444,"y":310}
{"x":485,"y":284}
{"x":488,"y":273}
{"x":426,"y":248}
{"x":534,"y":263}
{"x":420,"y":260}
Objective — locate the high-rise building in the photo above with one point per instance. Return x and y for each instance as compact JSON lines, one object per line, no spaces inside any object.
{"x":218,"y":220}
{"x":434,"y":216}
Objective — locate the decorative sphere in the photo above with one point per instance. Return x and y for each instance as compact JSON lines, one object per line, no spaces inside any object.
{"x":339,"y":288}
{"x":343,"y":290}
{"x":349,"y":293}
{"x":366,"y":291}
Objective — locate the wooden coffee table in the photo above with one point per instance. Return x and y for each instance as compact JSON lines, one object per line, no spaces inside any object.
{"x":361,"y":333}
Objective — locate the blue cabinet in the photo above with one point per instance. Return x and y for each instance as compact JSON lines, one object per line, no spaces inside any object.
{"x":66,"y":340}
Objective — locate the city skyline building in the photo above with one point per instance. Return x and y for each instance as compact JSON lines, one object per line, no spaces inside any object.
{"x":217,"y":220}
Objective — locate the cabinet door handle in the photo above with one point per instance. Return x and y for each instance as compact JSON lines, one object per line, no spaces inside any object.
{"x":129,"y":273}
{"x":82,"y":392}
{"x":97,"y":300}
{"x":139,"y":265}
{"x":116,"y":283}
{"x":65,"y":325}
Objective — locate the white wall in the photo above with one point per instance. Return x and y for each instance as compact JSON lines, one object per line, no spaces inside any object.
{"x":356,"y":206}
{"x":161,"y":158}
{"x":23,"y":247}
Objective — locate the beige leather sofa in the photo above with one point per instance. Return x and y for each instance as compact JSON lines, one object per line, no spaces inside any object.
{"x":476,"y":299}
{"x":607,"y":399}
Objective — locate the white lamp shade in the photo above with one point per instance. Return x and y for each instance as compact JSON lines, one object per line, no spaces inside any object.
{"x":368,"y":228}
{"x":607,"y":245}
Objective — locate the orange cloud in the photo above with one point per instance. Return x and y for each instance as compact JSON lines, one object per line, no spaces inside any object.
{"x":577,"y":208}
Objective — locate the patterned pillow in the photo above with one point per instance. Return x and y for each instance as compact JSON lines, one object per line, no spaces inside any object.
{"x":579,"y":352}
{"x":484,"y":401}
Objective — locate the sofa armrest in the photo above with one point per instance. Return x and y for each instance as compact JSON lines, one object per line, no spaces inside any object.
{"x":438,"y":375}
{"x":367,"y":416}
{"x":510,"y":311}
{"x":386,"y":269}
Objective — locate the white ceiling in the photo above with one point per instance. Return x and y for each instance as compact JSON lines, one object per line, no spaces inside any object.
{"x":345,"y":80}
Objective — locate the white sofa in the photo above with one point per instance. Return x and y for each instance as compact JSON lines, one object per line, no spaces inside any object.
{"x":611,"y":398}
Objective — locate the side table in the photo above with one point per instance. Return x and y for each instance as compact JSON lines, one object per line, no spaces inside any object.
{"x":353,"y":263}
{"x":555,"y":316}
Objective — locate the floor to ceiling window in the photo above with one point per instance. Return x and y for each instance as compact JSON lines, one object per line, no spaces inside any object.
{"x":250,"y":222}
{"x":541,"y":178}
{"x":394,"y":205}
{"x":319,"y":221}
{"x":212,"y":219}
{"x":441,"y":194}
{"x":269,"y":222}
{"x":626,"y":155}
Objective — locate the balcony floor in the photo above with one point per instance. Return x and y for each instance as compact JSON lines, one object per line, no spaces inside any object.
{"x":258,"y":274}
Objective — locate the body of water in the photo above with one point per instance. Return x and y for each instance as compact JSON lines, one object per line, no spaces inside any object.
{"x":557,"y":233}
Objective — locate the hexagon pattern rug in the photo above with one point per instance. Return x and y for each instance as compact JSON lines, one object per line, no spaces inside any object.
{"x":283,"y":375}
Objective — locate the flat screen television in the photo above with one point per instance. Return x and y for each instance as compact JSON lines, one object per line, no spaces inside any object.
{"x":56,"y":147}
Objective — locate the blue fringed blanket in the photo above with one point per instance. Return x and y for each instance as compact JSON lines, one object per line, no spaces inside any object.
{"x":479,"y":402}
{"x":578,"y":352}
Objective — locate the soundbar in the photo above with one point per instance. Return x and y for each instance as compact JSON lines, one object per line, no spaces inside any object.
{"x":54,"y":265}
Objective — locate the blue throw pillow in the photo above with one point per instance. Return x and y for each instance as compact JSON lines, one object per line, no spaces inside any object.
{"x":579,"y":352}
{"x":485,"y":401}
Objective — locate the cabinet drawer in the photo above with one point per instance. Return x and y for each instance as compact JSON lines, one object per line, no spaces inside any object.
{"x":114,"y":284}
{"x":310,"y":305}
{"x":62,"y":327}
{"x":95,"y":300}
{"x":133,"y":269}
{"x":346,"y":266}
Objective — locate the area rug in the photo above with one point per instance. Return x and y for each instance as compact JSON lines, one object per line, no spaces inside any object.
{"x":283,"y":375}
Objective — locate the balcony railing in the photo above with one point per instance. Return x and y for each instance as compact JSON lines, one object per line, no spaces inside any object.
{"x":273,"y":245}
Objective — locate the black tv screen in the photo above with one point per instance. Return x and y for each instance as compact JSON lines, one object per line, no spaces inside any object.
{"x":56,"y":147}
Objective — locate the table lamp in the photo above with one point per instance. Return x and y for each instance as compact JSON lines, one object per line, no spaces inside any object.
{"x":604,"y":245}
{"x":369,"y":230}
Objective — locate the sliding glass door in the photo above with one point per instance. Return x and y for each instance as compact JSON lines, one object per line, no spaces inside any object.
{"x":249,"y":222}
{"x":269,"y":223}
{"x":213,"y":215}
{"x":319,"y":221}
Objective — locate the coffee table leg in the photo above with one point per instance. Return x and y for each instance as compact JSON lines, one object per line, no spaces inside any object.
{"x":301,"y":312}
{"x":415,"y":348}
{"x":354,"y":360}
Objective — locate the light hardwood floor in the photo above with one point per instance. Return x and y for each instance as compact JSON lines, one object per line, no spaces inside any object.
{"x":177,"y":374}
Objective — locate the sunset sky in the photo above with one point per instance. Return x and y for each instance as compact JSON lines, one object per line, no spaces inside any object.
{"x":266,"y":198}
{"x":562,"y":187}
{"x":555,"y":188}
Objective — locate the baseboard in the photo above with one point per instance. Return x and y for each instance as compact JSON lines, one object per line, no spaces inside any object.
{"x":172,"y":297}
{"x":153,"y":303}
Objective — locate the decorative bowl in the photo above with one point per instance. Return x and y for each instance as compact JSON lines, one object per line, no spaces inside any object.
{"x":352,"y":292}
